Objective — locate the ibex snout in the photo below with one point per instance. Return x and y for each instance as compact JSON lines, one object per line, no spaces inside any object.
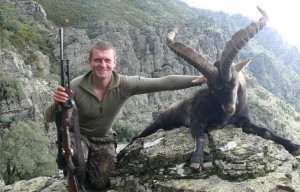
{"x":229,"y":109}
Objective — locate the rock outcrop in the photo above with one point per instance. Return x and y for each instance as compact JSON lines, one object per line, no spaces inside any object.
{"x":32,"y":10}
{"x":234,"y":161}
{"x":36,"y":91}
{"x":41,"y":184}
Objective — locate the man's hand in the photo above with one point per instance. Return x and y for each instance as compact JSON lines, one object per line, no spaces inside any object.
{"x":60,"y":96}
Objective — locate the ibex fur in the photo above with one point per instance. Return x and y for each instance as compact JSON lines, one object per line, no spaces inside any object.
{"x":221,"y":102}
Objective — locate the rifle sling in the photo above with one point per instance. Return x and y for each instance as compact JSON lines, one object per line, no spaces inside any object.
{"x":81,"y":161}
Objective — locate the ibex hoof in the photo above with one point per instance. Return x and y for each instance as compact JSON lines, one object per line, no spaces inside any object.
{"x":297,"y":154}
{"x":195,"y":166}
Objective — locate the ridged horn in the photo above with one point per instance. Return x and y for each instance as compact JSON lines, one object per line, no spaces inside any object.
{"x":238,"y":41}
{"x":193,"y":58}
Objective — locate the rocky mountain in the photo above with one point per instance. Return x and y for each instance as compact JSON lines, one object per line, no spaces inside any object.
{"x":29,"y":53}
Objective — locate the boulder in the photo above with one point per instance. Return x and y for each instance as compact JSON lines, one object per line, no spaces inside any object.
{"x":234,"y":161}
{"x":42,"y":184}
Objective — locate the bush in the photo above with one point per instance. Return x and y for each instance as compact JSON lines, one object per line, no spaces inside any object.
{"x":5,"y":121}
{"x":32,"y":58}
{"x":13,"y":25}
{"x":125,"y":130}
{"x":3,"y":17}
{"x":9,"y":87}
{"x":4,"y":42}
{"x":24,"y":153}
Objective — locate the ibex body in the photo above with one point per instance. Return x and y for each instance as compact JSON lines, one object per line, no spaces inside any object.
{"x":221,"y":102}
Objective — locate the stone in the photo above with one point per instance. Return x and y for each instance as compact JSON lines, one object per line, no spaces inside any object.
{"x":234,"y":161}
{"x":32,"y":10}
{"x":42,"y":184}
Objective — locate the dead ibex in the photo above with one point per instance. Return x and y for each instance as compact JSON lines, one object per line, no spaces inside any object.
{"x":223,"y":101}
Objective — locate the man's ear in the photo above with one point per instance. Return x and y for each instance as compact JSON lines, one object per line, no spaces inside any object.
{"x":115,"y":63}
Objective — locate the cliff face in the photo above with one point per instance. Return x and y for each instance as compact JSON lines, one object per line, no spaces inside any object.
{"x":142,"y":51}
{"x":36,"y":91}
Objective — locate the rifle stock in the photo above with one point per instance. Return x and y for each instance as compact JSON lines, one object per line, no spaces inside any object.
{"x":60,"y":159}
{"x":66,"y":142}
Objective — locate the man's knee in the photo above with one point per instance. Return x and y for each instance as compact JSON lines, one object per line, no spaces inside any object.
{"x":101,"y":165}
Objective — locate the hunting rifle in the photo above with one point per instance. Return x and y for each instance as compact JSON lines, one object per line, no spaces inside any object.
{"x":71,"y":163}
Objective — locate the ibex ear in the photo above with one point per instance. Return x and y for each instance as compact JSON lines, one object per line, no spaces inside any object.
{"x":200,"y":80}
{"x":242,"y":64}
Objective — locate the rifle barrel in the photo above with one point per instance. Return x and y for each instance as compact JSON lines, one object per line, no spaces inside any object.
{"x":62,"y":71}
{"x":61,"y":35}
{"x":68,"y":74}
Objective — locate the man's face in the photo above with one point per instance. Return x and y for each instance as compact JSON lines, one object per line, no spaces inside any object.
{"x":102,"y":64}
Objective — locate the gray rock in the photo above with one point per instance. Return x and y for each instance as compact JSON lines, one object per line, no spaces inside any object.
{"x":234,"y":161}
{"x":37,"y":92}
{"x":77,"y":46}
{"x":32,"y":10}
{"x":41,"y":184}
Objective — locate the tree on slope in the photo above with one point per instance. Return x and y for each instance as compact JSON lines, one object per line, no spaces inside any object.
{"x":24,"y":153}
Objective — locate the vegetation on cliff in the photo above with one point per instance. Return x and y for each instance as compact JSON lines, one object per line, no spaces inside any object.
{"x":133,"y":13}
{"x":24,"y":153}
{"x":22,"y":34}
{"x":10,"y":87}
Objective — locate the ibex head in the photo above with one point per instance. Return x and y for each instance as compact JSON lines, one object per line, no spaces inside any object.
{"x":224,"y":77}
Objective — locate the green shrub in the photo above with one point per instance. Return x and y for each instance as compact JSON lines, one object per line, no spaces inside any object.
{"x":32,"y":58}
{"x":9,"y":87}
{"x":125,"y":130}
{"x":13,"y":25}
{"x":3,"y":17}
{"x":4,"y":40}
{"x":10,"y":9}
{"x":4,"y":121}
{"x":24,"y":153}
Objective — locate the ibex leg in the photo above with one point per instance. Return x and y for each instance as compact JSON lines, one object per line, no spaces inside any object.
{"x":250,"y":128}
{"x":197,"y":129}
{"x":146,"y":132}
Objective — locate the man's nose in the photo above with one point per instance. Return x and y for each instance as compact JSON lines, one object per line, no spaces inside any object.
{"x":101,"y":63}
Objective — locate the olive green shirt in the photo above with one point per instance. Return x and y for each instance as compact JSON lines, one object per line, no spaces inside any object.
{"x":96,"y":117}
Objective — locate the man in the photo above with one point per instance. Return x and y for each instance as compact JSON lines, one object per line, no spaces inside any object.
{"x":99,"y":96}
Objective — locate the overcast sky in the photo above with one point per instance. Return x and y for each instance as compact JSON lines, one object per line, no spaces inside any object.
{"x":284,"y":15}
